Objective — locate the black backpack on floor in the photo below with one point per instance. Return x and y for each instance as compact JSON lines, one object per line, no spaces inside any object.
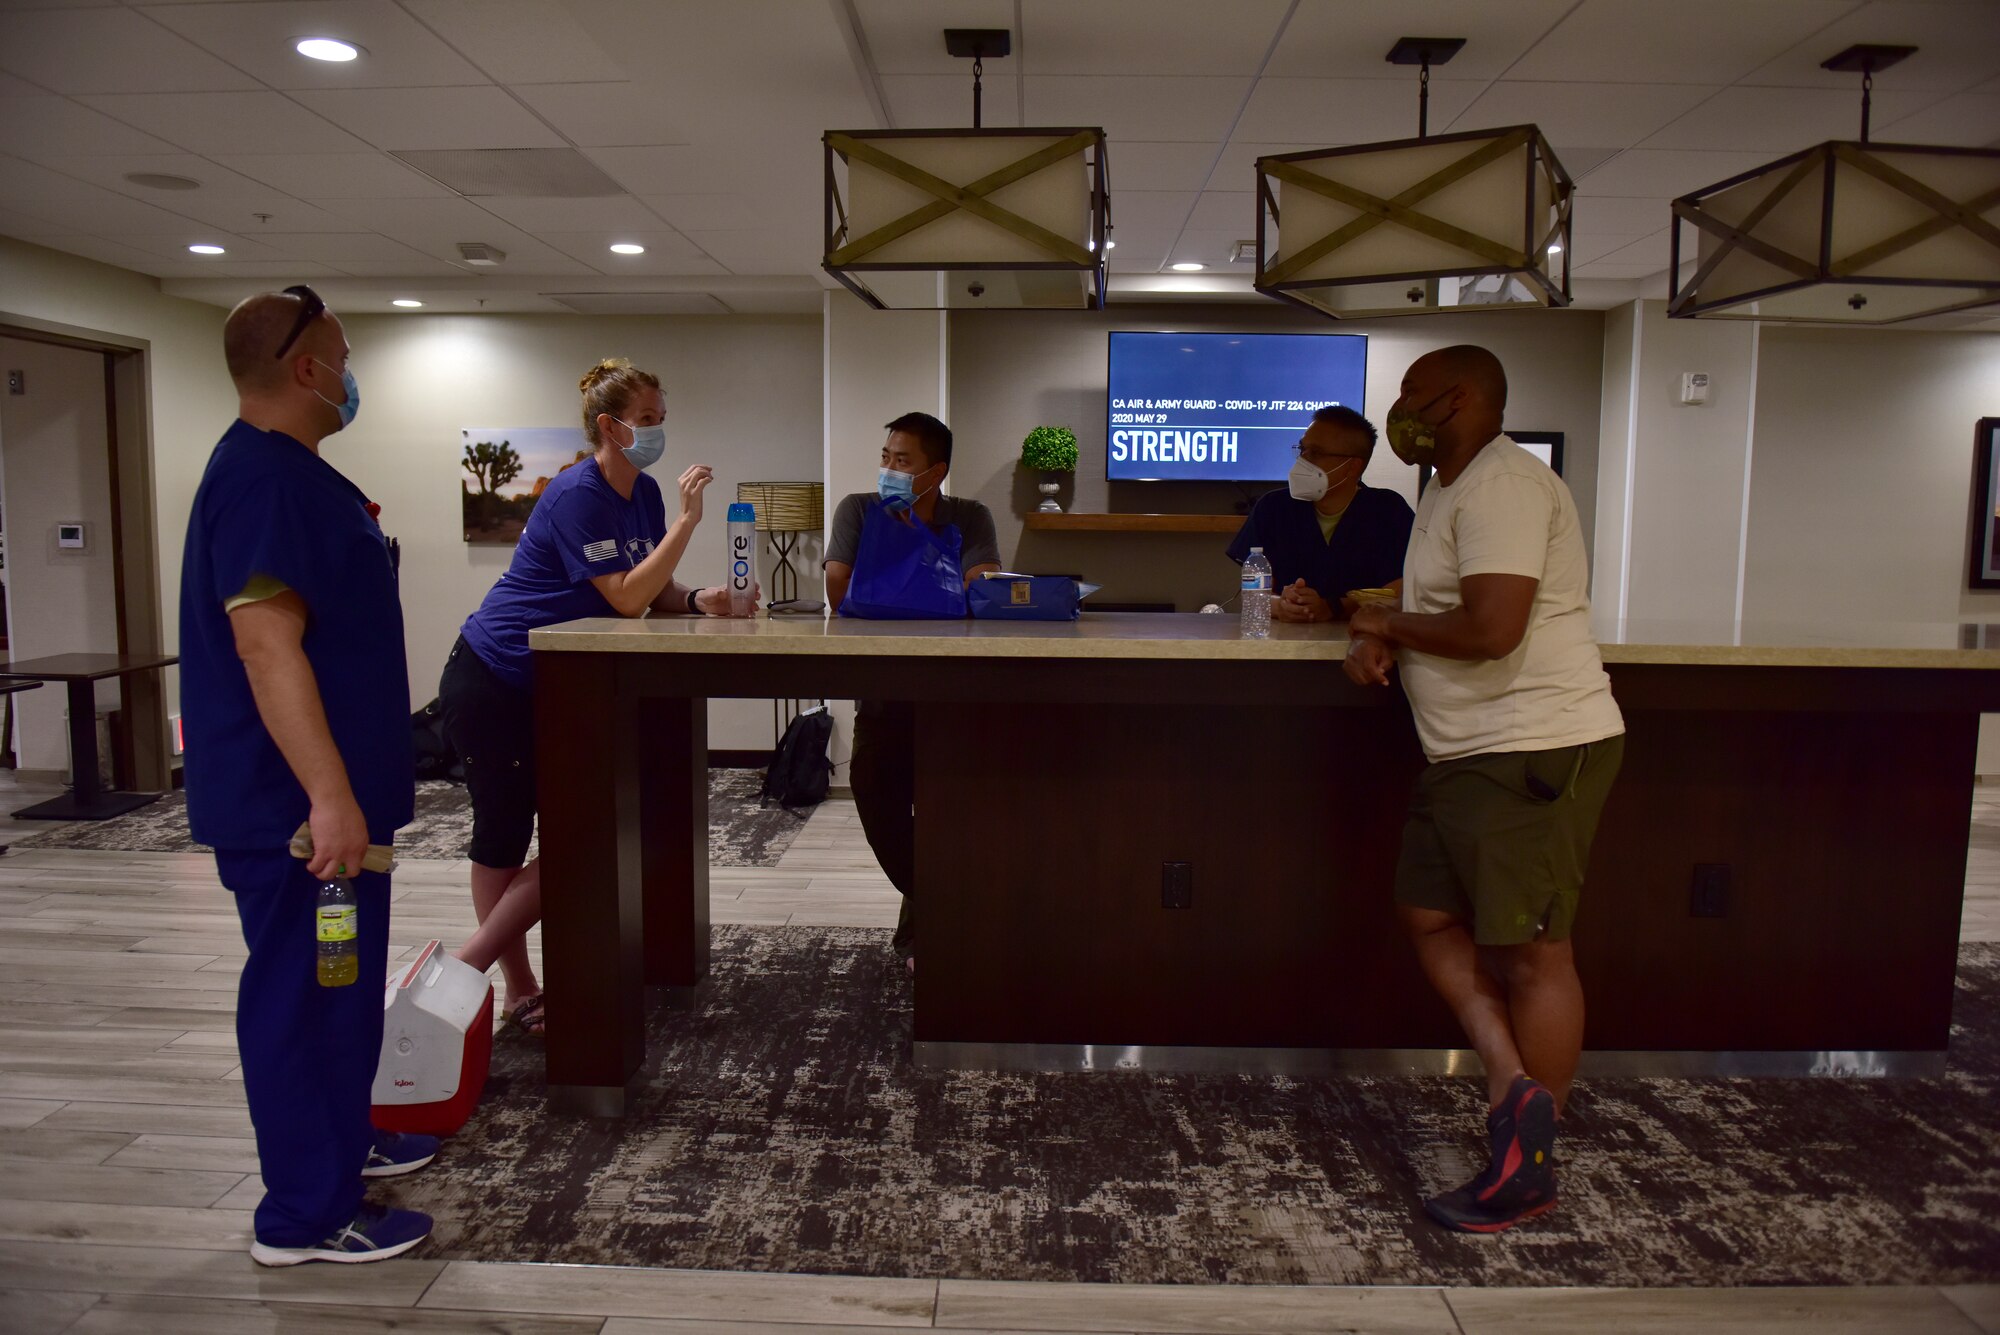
{"x":435,"y":758}
{"x":800,"y":772}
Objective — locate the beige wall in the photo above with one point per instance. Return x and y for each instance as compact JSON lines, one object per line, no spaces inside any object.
{"x":55,"y":467}
{"x":189,"y":400}
{"x":743,"y":395}
{"x":1013,"y":372}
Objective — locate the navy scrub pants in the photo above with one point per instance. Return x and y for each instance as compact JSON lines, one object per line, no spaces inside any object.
{"x":309,"y":1052}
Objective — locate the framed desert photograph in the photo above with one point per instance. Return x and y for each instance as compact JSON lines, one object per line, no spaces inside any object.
{"x":1986,"y":505}
{"x":504,"y":470}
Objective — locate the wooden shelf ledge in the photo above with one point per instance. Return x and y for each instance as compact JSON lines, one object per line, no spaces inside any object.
{"x":1106,"y":523}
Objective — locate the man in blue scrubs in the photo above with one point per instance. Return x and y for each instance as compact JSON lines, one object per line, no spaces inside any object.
{"x":1325,"y":533}
{"x":296,"y":706}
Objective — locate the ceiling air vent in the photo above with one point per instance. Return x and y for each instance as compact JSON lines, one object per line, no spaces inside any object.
{"x":640,"y":303}
{"x":1243,"y":252}
{"x":475,"y":252}
{"x":527,"y":173}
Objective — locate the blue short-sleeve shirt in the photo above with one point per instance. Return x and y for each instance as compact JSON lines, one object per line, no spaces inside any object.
{"x":269,"y":506}
{"x":580,"y":528}
{"x":1366,"y":551}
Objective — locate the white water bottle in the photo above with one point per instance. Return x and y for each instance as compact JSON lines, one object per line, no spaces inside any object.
{"x":742,"y":556}
{"x":1256,"y":595}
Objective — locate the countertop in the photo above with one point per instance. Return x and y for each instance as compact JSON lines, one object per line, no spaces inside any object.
{"x":1189,"y":636}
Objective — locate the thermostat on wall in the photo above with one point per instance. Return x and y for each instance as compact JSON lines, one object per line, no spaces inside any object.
{"x":1694,"y":387}
{"x":69,"y":535}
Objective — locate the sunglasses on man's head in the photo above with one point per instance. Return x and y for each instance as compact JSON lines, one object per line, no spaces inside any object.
{"x":310,"y":309}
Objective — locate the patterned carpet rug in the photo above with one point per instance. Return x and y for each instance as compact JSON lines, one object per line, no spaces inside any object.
{"x":781,"y":1128}
{"x":741,"y":832}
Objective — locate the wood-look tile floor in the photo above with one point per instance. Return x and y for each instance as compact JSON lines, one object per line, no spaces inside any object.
{"x":127,"y":1172}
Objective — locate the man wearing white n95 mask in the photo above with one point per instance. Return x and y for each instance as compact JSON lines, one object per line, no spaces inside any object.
{"x":1325,"y":532}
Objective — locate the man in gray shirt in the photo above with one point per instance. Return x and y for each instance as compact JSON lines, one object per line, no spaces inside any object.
{"x":915,"y":458}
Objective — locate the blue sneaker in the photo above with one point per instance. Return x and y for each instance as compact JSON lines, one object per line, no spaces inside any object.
{"x":376,"y":1234}
{"x":395,"y":1153}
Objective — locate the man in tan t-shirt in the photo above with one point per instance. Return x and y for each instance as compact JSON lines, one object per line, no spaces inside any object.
{"x":1515,"y":713}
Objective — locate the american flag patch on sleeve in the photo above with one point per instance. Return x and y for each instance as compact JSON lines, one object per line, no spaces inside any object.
{"x":600,"y":551}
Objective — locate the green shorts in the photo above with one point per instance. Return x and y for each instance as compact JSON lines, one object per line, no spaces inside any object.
{"x":1501,"y":840}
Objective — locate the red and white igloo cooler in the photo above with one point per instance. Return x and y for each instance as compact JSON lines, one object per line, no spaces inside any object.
{"x":437,"y":1041}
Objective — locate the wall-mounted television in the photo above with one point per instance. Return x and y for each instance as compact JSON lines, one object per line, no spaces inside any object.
{"x":1222,"y":407}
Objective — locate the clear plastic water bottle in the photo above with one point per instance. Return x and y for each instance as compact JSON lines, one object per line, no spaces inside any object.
{"x":1256,"y":595}
{"x":338,"y":925}
{"x":742,"y":556}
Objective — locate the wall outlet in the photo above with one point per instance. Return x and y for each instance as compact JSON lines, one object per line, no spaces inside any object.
{"x":1694,"y":387}
{"x":17,"y":382}
{"x":1176,"y":885}
{"x":1710,"y":896}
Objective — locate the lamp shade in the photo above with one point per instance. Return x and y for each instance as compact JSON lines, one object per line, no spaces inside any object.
{"x":1844,"y":232}
{"x":968,"y":219}
{"x":786,"y":507}
{"x":1449,"y":222}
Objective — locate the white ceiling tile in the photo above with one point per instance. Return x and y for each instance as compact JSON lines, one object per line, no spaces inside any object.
{"x":217,"y":123}
{"x":1779,"y":120}
{"x":1638,"y":216}
{"x":97,"y":248}
{"x":1211,"y":246}
{"x":593,"y":247}
{"x":1590,"y":246}
{"x":25,"y":182}
{"x":1141,"y":250}
{"x":1350,"y":41}
{"x":904,"y":38}
{"x":258,"y":275}
{"x":1237,"y":169}
{"x":431,"y":219}
{"x":522,"y":41}
{"x":406,"y":118}
{"x":1331,"y":112}
{"x":415,"y":266}
{"x":105,"y":213}
{"x":217,"y":182}
{"x":1584,"y":113}
{"x":282,"y":214}
{"x":1152,"y":210}
{"x":944,"y":101}
{"x":336,"y":175}
{"x":1651,"y":173}
{"x":1957,"y":41}
{"x":260,"y":39}
{"x":805,"y":301}
{"x":660,"y":262}
{"x":174,"y":245}
{"x":1222,"y":210}
{"x":1146,"y":166}
{"x":13,"y":87}
{"x":673,"y":170}
{"x":570,"y":215}
{"x":1689,"y":41}
{"x":1576,"y":161}
{"x":109,"y":51}
{"x":708,"y":213}
{"x":1609,"y":269}
{"x":1654,"y":250}
{"x":339,"y":248}
{"x":593,"y":115}
{"x":1134,"y":107}
{"x":46,"y":128}
{"x":1967,"y":120}
{"x":1148,"y":37}
{"x":770,"y":250}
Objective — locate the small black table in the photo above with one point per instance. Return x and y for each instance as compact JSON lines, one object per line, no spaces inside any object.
{"x":87,"y":798}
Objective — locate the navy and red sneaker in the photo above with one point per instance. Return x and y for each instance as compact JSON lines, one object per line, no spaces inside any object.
{"x":1520,"y":1182}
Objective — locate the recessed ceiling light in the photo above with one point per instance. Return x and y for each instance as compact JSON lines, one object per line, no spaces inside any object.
{"x":1186,"y":267}
{"x":162,"y":181}
{"x":327,"y":48}
{"x":206,"y":250}
{"x":1110,"y":244}
{"x":627,"y":248}
{"x":1555,"y":247}
{"x":407,"y":303}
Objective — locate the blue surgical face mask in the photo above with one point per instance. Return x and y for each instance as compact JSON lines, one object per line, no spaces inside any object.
{"x":893,"y":486}
{"x":353,"y":402}
{"x":648,"y":444}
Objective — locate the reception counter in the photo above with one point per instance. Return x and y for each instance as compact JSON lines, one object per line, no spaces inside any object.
{"x":1822,"y":787}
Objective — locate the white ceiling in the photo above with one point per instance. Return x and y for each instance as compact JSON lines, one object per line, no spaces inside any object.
{"x":708,"y":115}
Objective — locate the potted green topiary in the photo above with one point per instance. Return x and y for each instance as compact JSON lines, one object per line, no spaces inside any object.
{"x":1050,"y":450}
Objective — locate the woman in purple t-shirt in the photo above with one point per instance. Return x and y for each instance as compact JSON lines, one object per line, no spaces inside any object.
{"x":596,"y":544}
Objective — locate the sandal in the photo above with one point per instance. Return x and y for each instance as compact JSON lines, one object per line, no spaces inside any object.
{"x":527,"y":1017}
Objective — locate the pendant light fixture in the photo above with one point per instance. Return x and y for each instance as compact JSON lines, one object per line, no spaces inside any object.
{"x":1477,"y":220}
{"x":969,"y":219}
{"x":1845,"y":232}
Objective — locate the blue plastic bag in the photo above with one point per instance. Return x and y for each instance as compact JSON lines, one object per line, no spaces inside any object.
{"x":903,"y":571}
{"x":1033,"y":598}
